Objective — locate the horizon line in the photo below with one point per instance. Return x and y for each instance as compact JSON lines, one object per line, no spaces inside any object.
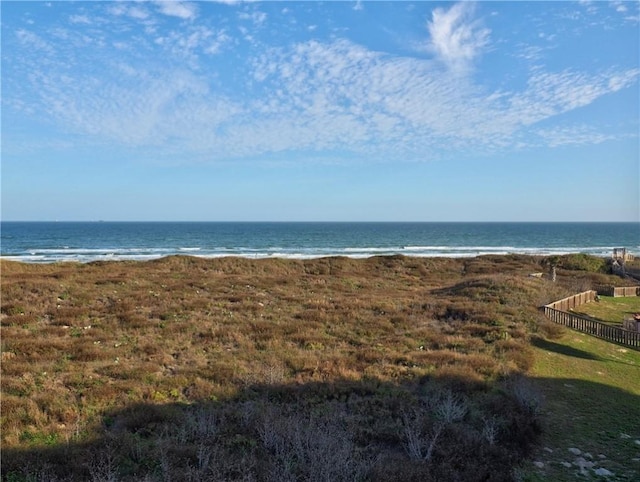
{"x":308,"y":221}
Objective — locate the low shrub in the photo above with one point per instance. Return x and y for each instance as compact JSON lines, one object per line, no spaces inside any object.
{"x":581,"y":262}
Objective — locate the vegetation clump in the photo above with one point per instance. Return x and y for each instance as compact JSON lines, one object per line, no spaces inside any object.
{"x":583,"y":262}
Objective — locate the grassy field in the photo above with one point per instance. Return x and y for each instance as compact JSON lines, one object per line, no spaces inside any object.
{"x":387,"y":368}
{"x":592,"y":404}
{"x":611,"y":310}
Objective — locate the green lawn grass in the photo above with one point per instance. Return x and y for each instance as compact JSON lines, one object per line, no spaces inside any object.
{"x":592,"y":393}
{"x":610,"y":309}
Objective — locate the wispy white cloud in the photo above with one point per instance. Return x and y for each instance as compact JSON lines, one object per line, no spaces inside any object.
{"x":619,"y":6}
{"x":456,"y":37}
{"x":161,"y":107}
{"x":390,"y":103}
{"x":590,"y":7}
{"x":575,"y":135}
{"x":258,"y":18}
{"x":187,"y":44}
{"x":230,"y":2}
{"x":598,"y":14}
{"x":549,"y":94}
{"x":547,"y":37}
{"x":184,"y":10}
{"x":309,"y":96}
{"x":80,"y":19}
{"x":33,"y":40}
{"x":630,"y":11}
{"x":621,"y":80}
{"x":318,"y":97}
{"x":137,"y":11}
{"x":530,"y":53}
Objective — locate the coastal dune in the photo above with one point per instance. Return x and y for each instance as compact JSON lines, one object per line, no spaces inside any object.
{"x":385,"y":368}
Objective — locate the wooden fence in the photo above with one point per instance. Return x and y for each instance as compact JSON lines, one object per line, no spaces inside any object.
{"x":571,"y":302}
{"x":619,"y":291}
{"x":558,"y":313}
{"x":593,"y":327}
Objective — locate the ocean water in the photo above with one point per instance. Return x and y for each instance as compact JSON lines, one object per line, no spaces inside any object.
{"x":46,"y":242}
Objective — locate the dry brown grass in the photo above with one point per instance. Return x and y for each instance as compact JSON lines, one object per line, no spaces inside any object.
{"x":80,"y":342}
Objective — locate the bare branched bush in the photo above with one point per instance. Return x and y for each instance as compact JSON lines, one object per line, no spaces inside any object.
{"x":421,"y":441}
{"x":202,"y":423}
{"x":103,"y":465}
{"x":450,"y":407}
{"x":424,"y":426}
{"x":35,"y":474}
{"x":162,"y":447}
{"x":204,"y":458}
{"x":526,"y":396}
{"x":312,"y":449}
{"x":490,"y":429}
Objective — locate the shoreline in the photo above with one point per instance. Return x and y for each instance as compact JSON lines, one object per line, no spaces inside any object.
{"x":80,"y":256}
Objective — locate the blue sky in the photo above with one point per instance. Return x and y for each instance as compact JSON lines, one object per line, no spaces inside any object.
{"x":328,"y":111}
